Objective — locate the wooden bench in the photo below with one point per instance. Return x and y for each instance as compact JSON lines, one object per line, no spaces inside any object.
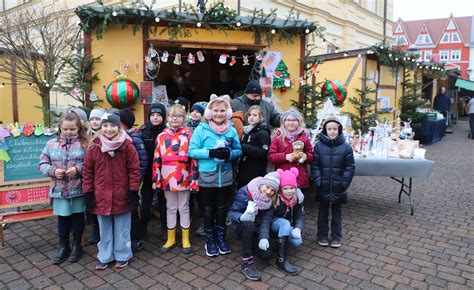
{"x":13,"y":198}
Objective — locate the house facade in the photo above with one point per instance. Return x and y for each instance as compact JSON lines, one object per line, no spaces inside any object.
{"x":446,"y":40}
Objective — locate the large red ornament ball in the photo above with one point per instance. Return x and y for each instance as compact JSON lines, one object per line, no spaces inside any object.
{"x":122,"y":93}
{"x":336,"y":91}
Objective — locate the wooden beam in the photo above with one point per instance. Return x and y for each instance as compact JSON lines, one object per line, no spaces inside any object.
{"x":206,"y":45}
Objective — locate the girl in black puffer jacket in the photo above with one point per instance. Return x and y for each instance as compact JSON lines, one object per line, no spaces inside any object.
{"x":332,"y":171}
{"x":255,"y":144}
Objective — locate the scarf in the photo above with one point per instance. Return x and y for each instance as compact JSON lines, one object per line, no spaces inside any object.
{"x":289,"y":203}
{"x":219,"y":129}
{"x":261,"y":201}
{"x":293,"y":135}
{"x":249,"y":128}
{"x":194,"y":124}
{"x":109,"y":146}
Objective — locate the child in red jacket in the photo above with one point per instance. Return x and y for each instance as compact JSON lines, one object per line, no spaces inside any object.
{"x":110,"y":181}
{"x":281,"y":149}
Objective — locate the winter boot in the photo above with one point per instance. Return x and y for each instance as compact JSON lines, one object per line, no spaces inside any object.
{"x":76,"y":252}
{"x":249,"y":269}
{"x":170,"y":242}
{"x":185,"y":241}
{"x":95,"y":235}
{"x":282,"y":254}
{"x":211,"y":248}
{"x":63,"y":251}
{"x":224,"y":248}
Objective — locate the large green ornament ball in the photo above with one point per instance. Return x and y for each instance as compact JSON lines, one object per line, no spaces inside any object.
{"x":122,"y":93}
{"x":336,"y":91}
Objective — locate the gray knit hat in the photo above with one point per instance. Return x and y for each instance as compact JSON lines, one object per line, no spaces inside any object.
{"x":272,"y":179}
{"x":82,"y":115}
{"x":96,"y":113}
{"x":110,"y":118}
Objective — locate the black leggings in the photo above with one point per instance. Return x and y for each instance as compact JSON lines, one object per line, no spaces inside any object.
{"x":74,"y":223}
{"x":248,"y":231}
{"x":214,"y":200}
{"x":147,"y":199}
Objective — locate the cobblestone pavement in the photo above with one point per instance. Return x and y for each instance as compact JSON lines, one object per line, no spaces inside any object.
{"x":383,"y":246}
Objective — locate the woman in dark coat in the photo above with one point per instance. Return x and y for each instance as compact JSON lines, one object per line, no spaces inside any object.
{"x":332,"y":171}
{"x":255,"y":145}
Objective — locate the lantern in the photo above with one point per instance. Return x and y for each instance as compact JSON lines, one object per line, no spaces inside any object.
{"x":122,"y":93}
{"x":336,"y":91}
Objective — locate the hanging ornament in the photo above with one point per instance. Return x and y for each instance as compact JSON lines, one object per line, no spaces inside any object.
{"x":200,"y":56}
{"x":336,"y":91}
{"x":122,"y":93}
{"x":232,"y":61}
{"x":177,"y":59}
{"x":245,"y":60}
{"x":223,"y":58}
{"x":126,"y":67}
{"x":288,"y":82}
{"x":93,"y":97}
{"x":191,"y":59}
{"x":259,"y":56}
{"x":137,"y":68}
{"x":164,"y":57}
{"x":104,"y":88}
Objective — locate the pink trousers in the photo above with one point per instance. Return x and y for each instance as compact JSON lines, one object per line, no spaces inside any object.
{"x":177,"y":200}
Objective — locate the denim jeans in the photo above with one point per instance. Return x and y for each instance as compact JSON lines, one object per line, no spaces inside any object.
{"x":114,"y":238}
{"x":282,"y":228}
{"x":336,"y":222}
{"x":471,"y":124}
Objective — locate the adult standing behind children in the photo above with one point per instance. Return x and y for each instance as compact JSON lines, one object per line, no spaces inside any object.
{"x":111,"y":179}
{"x":253,"y":96}
{"x":332,"y":171}
{"x":62,"y":161}
{"x":156,"y":123}
{"x":292,"y":135}
{"x":215,"y":144}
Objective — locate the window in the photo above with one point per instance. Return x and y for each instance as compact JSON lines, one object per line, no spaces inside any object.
{"x":2,"y":5}
{"x":402,"y":40}
{"x":455,"y":55}
{"x":444,"y":55}
{"x":428,"y":38}
{"x":455,"y":37}
{"x":419,"y":39}
{"x":445,"y":38}
{"x":399,"y":28}
{"x":423,"y":39}
{"x":427,"y":55}
{"x":395,"y":40}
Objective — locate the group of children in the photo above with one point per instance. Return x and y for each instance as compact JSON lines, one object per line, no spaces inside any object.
{"x":113,"y":171}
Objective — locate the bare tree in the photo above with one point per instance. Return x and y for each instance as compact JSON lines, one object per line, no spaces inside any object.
{"x":34,"y":43}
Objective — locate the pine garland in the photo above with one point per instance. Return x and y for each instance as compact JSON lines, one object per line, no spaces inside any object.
{"x":265,"y":26}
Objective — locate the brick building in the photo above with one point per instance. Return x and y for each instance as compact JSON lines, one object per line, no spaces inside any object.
{"x":447,"y":40}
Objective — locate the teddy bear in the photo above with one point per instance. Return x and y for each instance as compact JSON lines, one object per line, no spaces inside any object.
{"x":298,"y":152}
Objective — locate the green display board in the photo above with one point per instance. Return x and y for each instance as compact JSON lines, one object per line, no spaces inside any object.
{"x":24,"y":153}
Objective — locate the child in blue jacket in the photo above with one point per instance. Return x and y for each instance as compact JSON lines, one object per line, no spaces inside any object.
{"x":214,"y":145}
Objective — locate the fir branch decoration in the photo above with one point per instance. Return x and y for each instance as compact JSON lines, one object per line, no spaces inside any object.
{"x":365,"y":114}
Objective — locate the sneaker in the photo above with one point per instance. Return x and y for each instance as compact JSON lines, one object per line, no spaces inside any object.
{"x":137,"y":246}
{"x":250,"y":271}
{"x":323,"y":242}
{"x":335,"y":243}
{"x":211,"y":249}
{"x":101,"y":266}
{"x":121,"y":264}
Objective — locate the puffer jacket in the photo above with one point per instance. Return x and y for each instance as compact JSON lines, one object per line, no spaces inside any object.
{"x":110,"y":178}
{"x":271,"y":115}
{"x":141,"y":150}
{"x":293,"y":214}
{"x":148,"y":134}
{"x":173,"y":170}
{"x":333,"y":168}
{"x":263,"y":219}
{"x":62,"y":153}
{"x":253,"y":162}
{"x":277,"y":156}
{"x":214,"y":173}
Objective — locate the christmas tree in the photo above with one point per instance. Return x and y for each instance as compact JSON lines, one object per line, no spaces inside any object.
{"x":411,"y":98}
{"x":281,"y":79}
{"x":365,"y":115}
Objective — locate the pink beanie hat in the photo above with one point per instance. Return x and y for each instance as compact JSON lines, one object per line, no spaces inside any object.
{"x":288,"y":177}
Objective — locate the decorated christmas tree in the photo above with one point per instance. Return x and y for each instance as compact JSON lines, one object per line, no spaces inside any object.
{"x":411,"y":98}
{"x":281,"y":79}
{"x":365,"y":114}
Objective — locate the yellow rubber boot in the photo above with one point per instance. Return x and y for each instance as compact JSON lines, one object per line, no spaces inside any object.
{"x":185,"y":239}
{"x":170,"y":242}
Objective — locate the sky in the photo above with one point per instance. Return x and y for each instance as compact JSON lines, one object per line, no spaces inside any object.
{"x":428,"y":9}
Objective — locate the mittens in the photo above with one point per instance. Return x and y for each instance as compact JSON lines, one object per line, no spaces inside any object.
{"x":28,"y":129}
{"x":296,"y":233}
{"x":133,"y":198}
{"x":219,"y":153}
{"x":264,"y":244}
{"x":248,"y":215}
{"x":90,"y":200}
{"x":4,"y":133}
